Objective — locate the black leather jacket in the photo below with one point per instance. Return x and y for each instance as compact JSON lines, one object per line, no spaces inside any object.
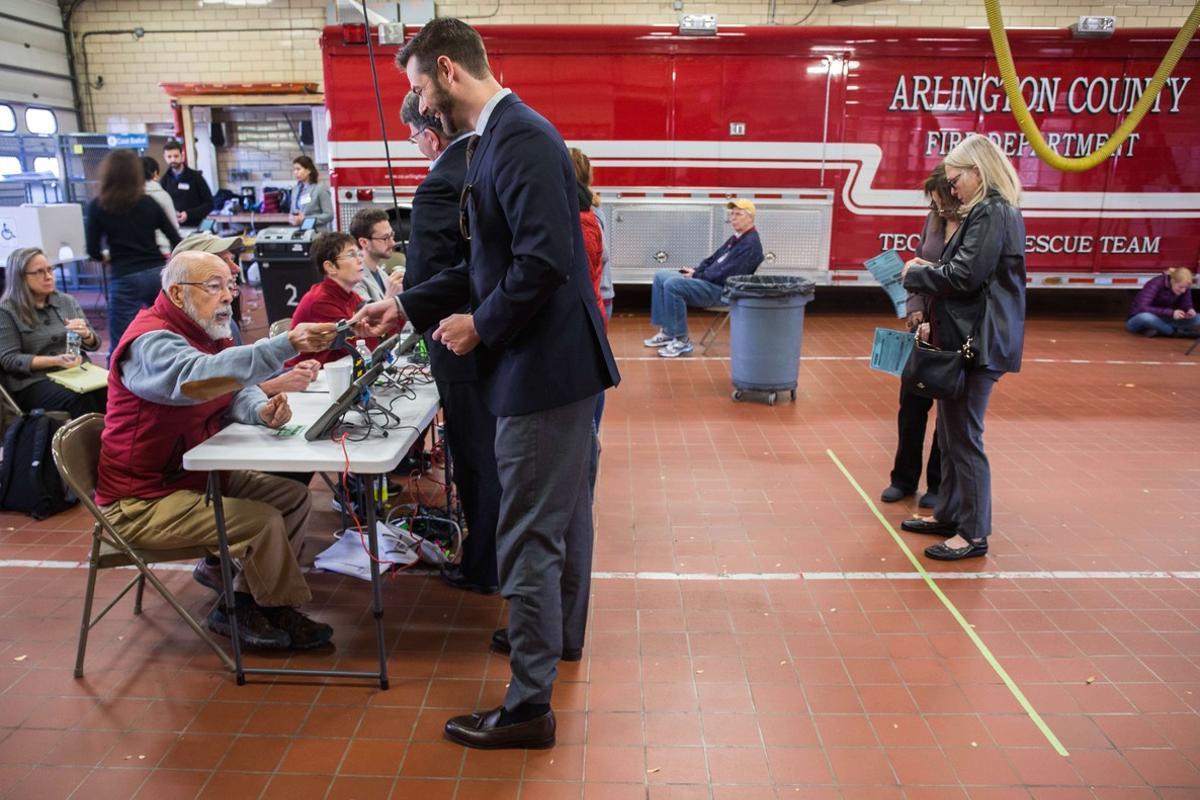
{"x":979,"y":285}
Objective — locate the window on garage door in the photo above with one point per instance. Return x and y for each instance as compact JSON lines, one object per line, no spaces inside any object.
{"x":46,"y":164}
{"x":41,"y":121}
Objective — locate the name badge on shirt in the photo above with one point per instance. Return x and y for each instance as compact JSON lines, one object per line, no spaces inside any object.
{"x":183,"y":186}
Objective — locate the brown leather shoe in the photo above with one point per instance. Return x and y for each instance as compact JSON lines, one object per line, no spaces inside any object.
{"x":501,"y":644}
{"x":480,"y":730}
{"x":305,"y":632}
{"x":209,"y":575}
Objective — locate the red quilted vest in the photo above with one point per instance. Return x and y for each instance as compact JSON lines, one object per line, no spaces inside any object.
{"x":142,"y":447}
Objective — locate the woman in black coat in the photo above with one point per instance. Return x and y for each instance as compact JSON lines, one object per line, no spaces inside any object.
{"x":940,"y":226}
{"x":978,"y":293}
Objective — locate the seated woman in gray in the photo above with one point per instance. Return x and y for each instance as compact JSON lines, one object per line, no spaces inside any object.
{"x":35,"y":319}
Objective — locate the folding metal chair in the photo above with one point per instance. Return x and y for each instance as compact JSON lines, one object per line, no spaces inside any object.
{"x":714,"y":327}
{"x":76,"y":449}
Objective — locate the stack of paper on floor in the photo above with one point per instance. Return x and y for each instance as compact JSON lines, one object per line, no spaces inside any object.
{"x":349,"y":555}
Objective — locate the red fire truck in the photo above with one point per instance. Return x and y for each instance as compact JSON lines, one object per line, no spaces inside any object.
{"x":828,"y":130}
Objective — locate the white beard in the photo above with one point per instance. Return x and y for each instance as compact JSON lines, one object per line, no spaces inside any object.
{"x":219,"y":326}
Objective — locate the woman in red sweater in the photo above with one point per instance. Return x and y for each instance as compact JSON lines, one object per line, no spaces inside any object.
{"x":336,"y":255}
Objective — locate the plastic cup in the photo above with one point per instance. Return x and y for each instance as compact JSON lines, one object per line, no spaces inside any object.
{"x":337,"y":375}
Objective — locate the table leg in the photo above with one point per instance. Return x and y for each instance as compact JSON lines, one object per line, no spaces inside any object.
{"x":214,"y":495}
{"x":372,"y":482}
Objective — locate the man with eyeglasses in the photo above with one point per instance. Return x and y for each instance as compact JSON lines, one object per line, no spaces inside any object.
{"x":377,"y":241}
{"x":435,"y":244}
{"x":175,"y":380}
{"x":229,"y":248}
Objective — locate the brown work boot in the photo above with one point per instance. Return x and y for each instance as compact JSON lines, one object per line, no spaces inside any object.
{"x":304,"y":632}
{"x":254,"y":629}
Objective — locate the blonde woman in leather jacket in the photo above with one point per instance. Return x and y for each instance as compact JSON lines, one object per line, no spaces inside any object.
{"x":977,"y":291}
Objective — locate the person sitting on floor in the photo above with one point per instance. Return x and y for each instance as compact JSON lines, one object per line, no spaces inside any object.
{"x":672,"y":291}
{"x":1164,"y":305}
{"x":35,"y":319}
{"x":176,"y":380}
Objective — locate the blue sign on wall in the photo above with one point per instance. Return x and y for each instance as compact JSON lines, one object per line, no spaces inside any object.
{"x":134,"y":141}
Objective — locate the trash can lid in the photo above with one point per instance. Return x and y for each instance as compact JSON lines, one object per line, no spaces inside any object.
{"x":768,"y":286}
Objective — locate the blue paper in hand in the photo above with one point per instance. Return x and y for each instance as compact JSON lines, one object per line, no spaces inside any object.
{"x":886,"y":268}
{"x":890,"y":352}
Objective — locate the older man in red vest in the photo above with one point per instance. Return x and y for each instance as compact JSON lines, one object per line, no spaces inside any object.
{"x":176,"y":380}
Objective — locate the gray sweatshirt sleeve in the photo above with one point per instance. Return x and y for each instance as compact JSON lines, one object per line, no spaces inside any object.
{"x":159,"y":363}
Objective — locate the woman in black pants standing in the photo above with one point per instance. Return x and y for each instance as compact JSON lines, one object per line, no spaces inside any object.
{"x":121,"y":222}
{"x":940,"y":226}
{"x":978,"y":294}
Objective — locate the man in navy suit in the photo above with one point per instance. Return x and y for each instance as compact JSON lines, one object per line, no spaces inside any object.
{"x":542,"y":356}
{"x":435,"y":244}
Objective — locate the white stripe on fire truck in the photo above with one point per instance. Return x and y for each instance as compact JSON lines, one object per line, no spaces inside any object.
{"x":861,"y":160}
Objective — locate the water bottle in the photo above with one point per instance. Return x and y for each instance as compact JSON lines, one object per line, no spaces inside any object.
{"x":365,"y":352}
{"x":73,"y":344}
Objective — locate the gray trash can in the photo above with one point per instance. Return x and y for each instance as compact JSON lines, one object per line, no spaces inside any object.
{"x":766,"y":324}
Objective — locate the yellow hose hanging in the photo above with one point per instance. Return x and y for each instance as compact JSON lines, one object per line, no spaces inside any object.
{"x":1012,"y":88}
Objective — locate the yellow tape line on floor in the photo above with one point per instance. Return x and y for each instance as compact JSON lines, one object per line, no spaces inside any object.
{"x":954,"y":612}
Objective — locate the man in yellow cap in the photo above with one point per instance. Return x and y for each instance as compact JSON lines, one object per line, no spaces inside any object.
{"x":673,"y":291}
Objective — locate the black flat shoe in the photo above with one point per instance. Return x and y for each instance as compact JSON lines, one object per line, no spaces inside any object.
{"x":923,"y":526}
{"x":483,"y":731}
{"x":928,"y":500}
{"x":940,"y":552}
{"x":893,"y":493}
{"x":453,"y":576}
{"x":500,"y":644}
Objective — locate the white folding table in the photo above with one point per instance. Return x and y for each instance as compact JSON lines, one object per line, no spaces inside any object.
{"x":239,"y":447}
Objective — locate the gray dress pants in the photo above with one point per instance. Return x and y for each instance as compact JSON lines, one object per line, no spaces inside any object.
{"x":965,"y":496}
{"x":544,"y":540}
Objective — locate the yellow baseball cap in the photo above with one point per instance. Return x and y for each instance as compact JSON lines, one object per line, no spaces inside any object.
{"x":744,"y":205}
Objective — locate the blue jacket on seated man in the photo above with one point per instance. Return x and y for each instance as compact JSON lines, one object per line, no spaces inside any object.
{"x":673,"y":291}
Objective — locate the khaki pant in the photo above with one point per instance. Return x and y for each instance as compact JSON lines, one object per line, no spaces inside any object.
{"x":264,"y":520}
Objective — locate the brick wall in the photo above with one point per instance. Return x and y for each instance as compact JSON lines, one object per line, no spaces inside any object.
{"x":187,"y":42}
{"x":279,"y":41}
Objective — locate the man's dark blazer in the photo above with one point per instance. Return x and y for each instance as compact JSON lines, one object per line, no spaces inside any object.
{"x":527,"y":281}
{"x":435,"y":244}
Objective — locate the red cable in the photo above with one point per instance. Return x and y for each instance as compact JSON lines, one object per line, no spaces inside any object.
{"x":349,"y":506}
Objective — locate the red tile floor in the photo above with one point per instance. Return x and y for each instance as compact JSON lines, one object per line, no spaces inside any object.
{"x":756,"y":630}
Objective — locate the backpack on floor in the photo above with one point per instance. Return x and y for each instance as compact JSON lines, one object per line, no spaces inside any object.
{"x":29,"y":480}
